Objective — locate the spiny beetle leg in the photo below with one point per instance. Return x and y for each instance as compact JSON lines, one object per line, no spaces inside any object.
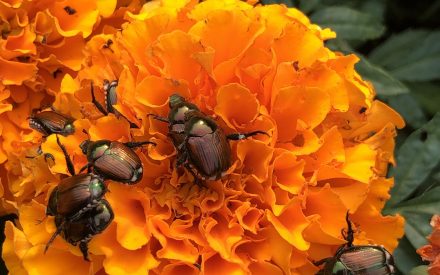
{"x":182,"y":159}
{"x":348,"y":235}
{"x":239,"y":136}
{"x":69,"y":163}
{"x":134,"y":144}
{"x":88,"y":166}
{"x":55,"y":234}
{"x":320,"y":262}
{"x":84,"y":250}
{"x":156,"y":117}
{"x":94,"y":101}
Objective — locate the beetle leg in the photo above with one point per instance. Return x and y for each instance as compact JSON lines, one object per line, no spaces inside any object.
{"x":239,"y":136}
{"x":57,"y":232}
{"x":182,"y":158}
{"x":88,"y":166}
{"x":156,"y":117}
{"x":197,"y":179}
{"x":69,"y":162}
{"x":138,"y":144}
{"x":348,"y":235}
{"x":320,"y":262}
{"x":94,"y":101}
{"x":84,"y":249}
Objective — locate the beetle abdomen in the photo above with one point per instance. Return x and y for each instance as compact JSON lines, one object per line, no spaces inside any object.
{"x":210,"y":154}
{"x":119,"y":163}
{"x":74,"y":194}
{"x":49,"y":122}
{"x":367,"y":260}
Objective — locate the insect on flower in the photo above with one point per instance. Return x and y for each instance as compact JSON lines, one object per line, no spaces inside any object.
{"x":51,"y":122}
{"x":73,"y":198}
{"x":202,"y":145}
{"x":111,"y":98}
{"x":114,"y":160}
{"x":357,"y":259}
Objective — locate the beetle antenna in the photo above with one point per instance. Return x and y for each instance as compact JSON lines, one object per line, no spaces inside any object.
{"x":134,"y":144}
{"x":156,"y":117}
{"x":239,"y":136}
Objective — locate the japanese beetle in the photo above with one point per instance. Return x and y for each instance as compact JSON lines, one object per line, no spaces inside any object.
{"x":75,"y":195}
{"x":80,"y":231}
{"x":205,"y":151}
{"x":114,"y":160}
{"x":202,"y":146}
{"x":51,"y":122}
{"x":111,"y":98}
{"x":357,"y":259}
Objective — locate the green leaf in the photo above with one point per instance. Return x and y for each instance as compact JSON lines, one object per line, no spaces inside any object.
{"x":405,"y":256}
{"x":383,"y":82}
{"x":419,"y":270}
{"x":427,"y":94}
{"x":412,"y":55}
{"x":417,"y":227}
{"x":349,"y":23}
{"x":427,"y":203}
{"x":409,"y":108}
{"x":285,"y":2}
{"x":416,"y":158}
{"x":308,"y":5}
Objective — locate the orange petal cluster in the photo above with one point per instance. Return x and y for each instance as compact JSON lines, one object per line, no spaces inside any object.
{"x":431,"y":252}
{"x":283,"y":202}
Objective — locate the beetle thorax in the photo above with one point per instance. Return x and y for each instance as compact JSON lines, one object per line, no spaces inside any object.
{"x":97,"y":188}
{"x":201,"y":128}
{"x":179,"y":115}
{"x":98,"y":150}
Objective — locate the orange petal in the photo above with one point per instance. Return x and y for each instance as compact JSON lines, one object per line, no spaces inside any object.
{"x":288,"y":172}
{"x":290,"y":222}
{"x":176,"y":50}
{"x":9,"y":69}
{"x":216,"y":265}
{"x":221,"y":235}
{"x":228,"y":96}
{"x":14,"y":249}
{"x":80,"y":21}
{"x":297,"y":43}
{"x":254,"y":156}
{"x":329,"y":207}
{"x":155,"y":91}
{"x":294,"y":104}
{"x":130,"y":207}
{"x":54,"y":261}
{"x":384,"y":230}
{"x":179,"y":268}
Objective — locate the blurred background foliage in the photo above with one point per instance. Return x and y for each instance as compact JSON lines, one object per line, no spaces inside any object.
{"x":399,"y":46}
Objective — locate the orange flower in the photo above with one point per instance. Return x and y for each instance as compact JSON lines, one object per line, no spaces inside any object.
{"x":431,"y":252}
{"x":281,"y":205}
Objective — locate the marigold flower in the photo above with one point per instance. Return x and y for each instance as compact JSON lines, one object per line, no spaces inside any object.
{"x":283,"y":202}
{"x":431,"y":251}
